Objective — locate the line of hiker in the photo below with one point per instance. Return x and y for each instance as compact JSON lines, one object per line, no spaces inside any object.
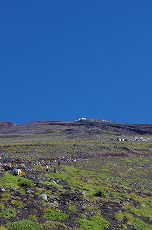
{"x":13,"y":164}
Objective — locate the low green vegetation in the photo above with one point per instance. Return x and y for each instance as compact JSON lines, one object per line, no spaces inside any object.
{"x":125,"y":219}
{"x":33,"y":217}
{"x":144,"y":210}
{"x":17,"y":203}
{"x":124,"y":216}
{"x":141,"y":225}
{"x":25,"y":182}
{"x":54,"y":225}
{"x":72,"y":208}
{"x":2,"y":206}
{"x":6,"y":196}
{"x":9,"y":180}
{"x":51,"y":184}
{"x":8,"y":213}
{"x":24,"y":225}
{"x":55,"y":215}
{"x":100,"y":192}
{"x":94,"y":223}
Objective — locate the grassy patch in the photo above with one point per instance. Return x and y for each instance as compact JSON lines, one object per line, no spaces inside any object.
{"x":24,"y":225}
{"x":55,"y":215}
{"x":82,"y":180}
{"x":124,"y":216}
{"x":95,"y":223}
{"x":141,"y":225}
{"x":33,"y":218}
{"x":6,"y":196}
{"x":57,"y":186}
{"x":54,"y":225}
{"x":25,"y":182}
{"x":72,"y":208}
{"x":7,"y":213}
{"x":17,"y":203}
{"x":100,"y":192}
{"x":9,"y":181}
{"x":2,"y":206}
{"x":127,"y":218}
{"x":144,"y":209}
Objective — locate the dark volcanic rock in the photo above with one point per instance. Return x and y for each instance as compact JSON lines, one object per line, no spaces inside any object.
{"x":6,"y":124}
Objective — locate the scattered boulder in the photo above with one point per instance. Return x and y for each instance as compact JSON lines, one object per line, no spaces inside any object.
{"x":28,"y":191}
{"x":3,"y":190}
{"x":22,"y":166}
{"x":43,"y":197}
{"x":7,"y":167}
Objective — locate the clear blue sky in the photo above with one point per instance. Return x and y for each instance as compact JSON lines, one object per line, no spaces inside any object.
{"x":61,"y":60}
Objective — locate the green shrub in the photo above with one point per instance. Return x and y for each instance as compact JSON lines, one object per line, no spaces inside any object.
{"x":24,"y":225}
{"x":100,"y":192}
{"x":8,"y":213}
{"x":95,"y":223}
{"x":55,"y":215}
{"x":52,"y":225}
{"x":25,"y":182}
